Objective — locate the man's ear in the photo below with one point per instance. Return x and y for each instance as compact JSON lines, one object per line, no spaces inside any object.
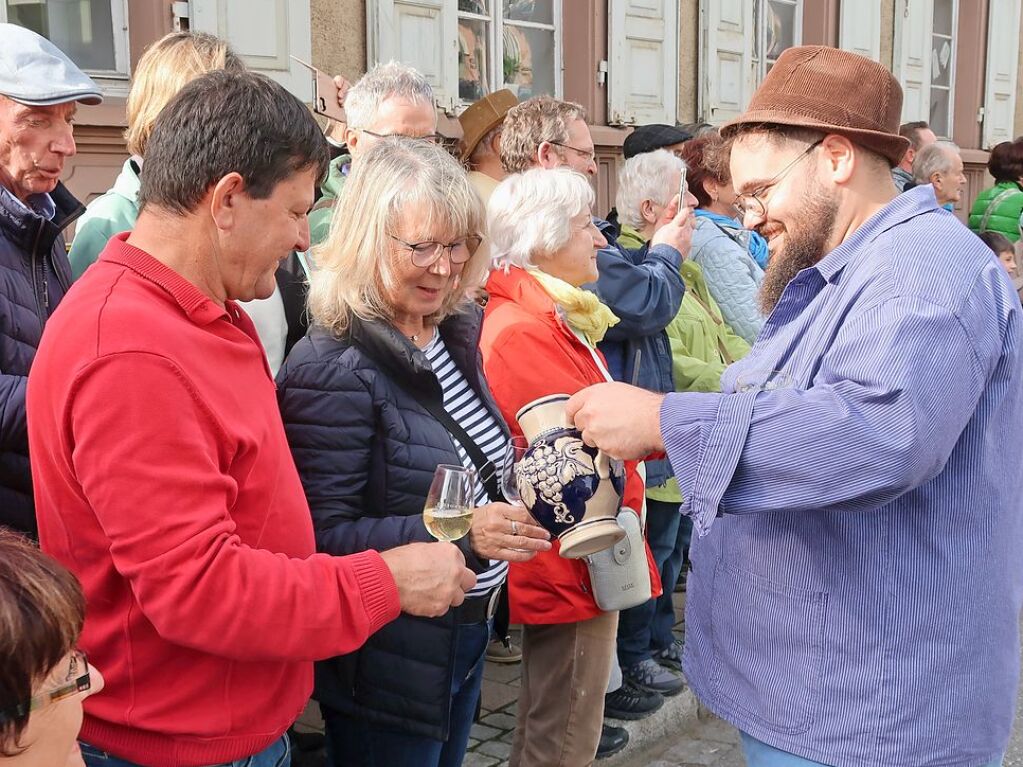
{"x":647,"y":211}
{"x":224,"y":198}
{"x":351,"y":139}
{"x":547,"y":155}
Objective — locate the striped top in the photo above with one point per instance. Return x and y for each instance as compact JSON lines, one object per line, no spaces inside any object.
{"x":468,"y":410}
{"x":856,"y":584}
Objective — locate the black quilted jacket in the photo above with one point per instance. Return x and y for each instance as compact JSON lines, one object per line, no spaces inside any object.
{"x":34,"y":275}
{"x":366,"y":451}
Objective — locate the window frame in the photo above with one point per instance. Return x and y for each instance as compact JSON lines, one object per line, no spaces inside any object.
{"x":953,"y":40}
{"x":114,"y":82}
{"x":495,"y":57}
{"x":759,"y":57}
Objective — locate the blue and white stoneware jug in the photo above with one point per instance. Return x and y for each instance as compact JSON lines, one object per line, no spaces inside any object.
{"x":573,"y":490}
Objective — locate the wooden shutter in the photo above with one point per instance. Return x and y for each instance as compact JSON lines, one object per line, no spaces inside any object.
{"x":644,"y":61}
{"x":913,"y":25}
{"x":1000,"y":77}
{"x":422,"y":34}
{"x":859,"y":27}
{"x":726,"y":56}
{"x":266,"y":33}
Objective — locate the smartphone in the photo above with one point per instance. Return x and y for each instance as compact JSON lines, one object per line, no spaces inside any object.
{"x":682,"y":189}
{"x":324,"y":94}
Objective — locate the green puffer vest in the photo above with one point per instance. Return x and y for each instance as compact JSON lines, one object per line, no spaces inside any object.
{"x":1005,"y":217}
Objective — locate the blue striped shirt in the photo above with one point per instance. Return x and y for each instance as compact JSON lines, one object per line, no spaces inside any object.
{"x":856,"y":585}
{"x":468,"y":410}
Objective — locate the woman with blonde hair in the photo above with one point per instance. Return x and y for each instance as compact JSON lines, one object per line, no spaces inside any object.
{"x":164,"y":69}
{"x":387,"y":386}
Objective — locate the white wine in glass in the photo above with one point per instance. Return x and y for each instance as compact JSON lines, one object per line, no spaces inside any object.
{"x":449,"y":504}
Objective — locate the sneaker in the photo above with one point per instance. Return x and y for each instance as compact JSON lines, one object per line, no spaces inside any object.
{"x":650,"y":675}
{"x":612,"y":740}
{"x":671,"y":656}
{"x":631,"y":702}
{"x":503,"y":651}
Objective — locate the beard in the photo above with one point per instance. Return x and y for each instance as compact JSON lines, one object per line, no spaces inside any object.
{"x":805,"y":244}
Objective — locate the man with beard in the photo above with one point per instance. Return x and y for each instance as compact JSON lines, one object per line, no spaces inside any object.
{"x":855,"y":592}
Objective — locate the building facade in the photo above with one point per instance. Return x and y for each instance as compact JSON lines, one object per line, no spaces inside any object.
{"x":628,"y":62}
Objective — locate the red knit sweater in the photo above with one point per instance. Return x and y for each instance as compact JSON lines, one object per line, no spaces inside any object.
{"x":164,"y":482}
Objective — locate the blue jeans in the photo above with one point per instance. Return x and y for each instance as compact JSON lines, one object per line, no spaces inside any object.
{"x":646,"y":629}
{"x":354,"y":742}
{"x":759,"y":754}
{"x":277,"y":754}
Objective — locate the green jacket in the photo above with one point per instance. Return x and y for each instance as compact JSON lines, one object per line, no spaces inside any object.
{"x":1005,"y":217}
{"x":702,"y":346}
{"x":323,"y":210}
{"x":110,"y":213}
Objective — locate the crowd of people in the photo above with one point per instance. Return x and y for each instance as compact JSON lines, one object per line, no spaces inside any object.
{"x":222,"y":411}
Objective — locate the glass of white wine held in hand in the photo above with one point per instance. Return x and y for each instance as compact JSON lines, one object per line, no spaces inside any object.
{"x":450,"y":503}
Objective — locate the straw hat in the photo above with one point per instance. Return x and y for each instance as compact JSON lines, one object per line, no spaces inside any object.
{"x":481,"y":117}
{"x":814,"y":86}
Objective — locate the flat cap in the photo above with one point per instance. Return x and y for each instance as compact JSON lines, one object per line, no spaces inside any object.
{"x":647,"y":138}
{"x":35,"y":72}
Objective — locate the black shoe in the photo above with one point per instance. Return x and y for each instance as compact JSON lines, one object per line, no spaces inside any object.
{"x":612,"y":740}
{"x":631,"y":702}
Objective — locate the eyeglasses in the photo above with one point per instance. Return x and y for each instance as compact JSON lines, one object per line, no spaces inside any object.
{"x":425,"y":254}
{"x":76,"y":680}
{"x":753,"y":202}
{"x":433,"y":138}
{"x":587,"y":153}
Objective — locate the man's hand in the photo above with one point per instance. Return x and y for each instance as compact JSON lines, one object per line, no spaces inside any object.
{"x":335,"y":129}
{"x":621,"y":420}
{"x":676,"y":226}
{"x":502,"y":531}
{"x":432,"y":577}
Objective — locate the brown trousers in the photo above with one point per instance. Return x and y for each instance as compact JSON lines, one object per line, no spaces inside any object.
{"x":565,"y":669}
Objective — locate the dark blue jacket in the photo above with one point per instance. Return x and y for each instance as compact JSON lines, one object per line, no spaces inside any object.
{"x":34,"y":275}
{"x":366,"y":451}
{"x":645,"y":291}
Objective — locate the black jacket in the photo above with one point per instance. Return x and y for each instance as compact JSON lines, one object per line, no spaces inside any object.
{"x":34,"y":276}
{"x":366,"y":451}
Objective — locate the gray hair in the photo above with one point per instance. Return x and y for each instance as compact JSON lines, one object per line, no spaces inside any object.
{"x":485,"y":146}
{"x":384,"y":81}
{"x":933,"y":158}
{"x":530,"y":214}
{"x":647,"y":176}
{"x":353,"y":266}
{"x":529,"y":124}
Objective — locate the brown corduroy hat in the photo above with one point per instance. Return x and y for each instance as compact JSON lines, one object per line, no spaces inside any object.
{"x":814,"y":86}
{"x":481,"y":117}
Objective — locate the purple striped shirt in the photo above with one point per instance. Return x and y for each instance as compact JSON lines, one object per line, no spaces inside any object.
{"x":857,"y":581}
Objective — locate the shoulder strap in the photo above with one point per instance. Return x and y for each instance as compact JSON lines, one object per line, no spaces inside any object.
{"x":484,"y":466}
{"x":998,"y":199}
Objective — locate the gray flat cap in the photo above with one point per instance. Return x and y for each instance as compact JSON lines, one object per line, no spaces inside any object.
{"x":36,"y":72}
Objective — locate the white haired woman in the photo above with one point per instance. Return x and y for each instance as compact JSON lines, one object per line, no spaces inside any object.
{"x":395,"y":342}
{"x":539,"y":337}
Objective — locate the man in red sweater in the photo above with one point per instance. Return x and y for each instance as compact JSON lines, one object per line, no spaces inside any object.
{"x":163,"y":477}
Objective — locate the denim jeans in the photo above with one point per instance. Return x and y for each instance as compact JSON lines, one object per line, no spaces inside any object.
{"x":646,"y":629}
{"x":759,"y":754}
{"x":353,"y":742}
{"x":277,"y":754}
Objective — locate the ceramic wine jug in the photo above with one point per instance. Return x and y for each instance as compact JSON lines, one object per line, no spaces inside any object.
{"x":572,"y":489}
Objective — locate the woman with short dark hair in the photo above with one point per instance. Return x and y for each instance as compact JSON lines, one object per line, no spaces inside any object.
{"x":998,"y":209}
{"x":43,"y":677}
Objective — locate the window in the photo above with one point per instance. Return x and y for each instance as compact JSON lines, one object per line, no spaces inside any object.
{"x":508,"y":44}
{"x":779,"y":25}
{"x":93,"y":33}
{"x":943,"y":65}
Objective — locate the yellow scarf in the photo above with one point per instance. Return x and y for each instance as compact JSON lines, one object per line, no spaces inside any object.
{"x":583,"y":310}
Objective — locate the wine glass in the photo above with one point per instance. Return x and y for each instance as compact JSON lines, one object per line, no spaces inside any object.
{"x":513,"y":453}
{"x":449,"y":504}
{"x":763,"y":380}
